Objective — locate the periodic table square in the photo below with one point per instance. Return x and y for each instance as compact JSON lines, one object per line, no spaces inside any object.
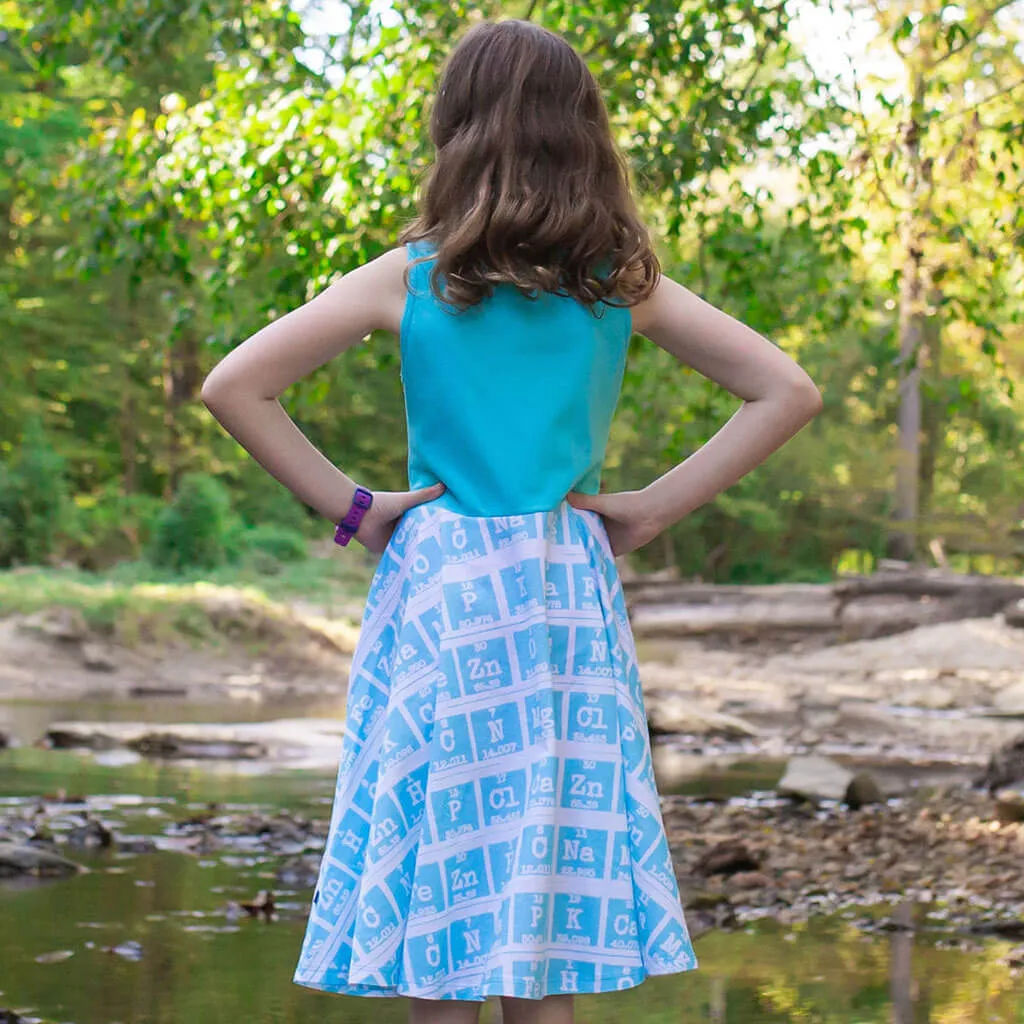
{"x":504,"y":796}
{"x":483,"y":664}
{"x":589,"y":785}
{"x":576,"y":919}
{"x":455,"y":811}
{"x":466,"y":876}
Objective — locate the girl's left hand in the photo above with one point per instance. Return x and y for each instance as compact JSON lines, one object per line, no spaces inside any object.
{"x":388,"y":507}
{"x":627,"y":517}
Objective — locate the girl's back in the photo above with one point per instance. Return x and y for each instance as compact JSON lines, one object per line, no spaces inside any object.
{"x":510,"y":401}
{"x":496,"y":829}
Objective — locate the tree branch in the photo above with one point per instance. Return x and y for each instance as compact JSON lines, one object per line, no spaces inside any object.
{"x":984,"y":22}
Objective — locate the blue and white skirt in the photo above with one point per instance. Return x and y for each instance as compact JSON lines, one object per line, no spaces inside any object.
{"x":495,"y":828}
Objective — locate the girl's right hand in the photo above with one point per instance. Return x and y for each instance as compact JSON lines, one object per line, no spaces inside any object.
{"x":627,"y":516}
{"x":388,"y":507}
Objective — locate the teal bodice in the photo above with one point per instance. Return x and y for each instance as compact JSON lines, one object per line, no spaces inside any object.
{"x":509,"y":402}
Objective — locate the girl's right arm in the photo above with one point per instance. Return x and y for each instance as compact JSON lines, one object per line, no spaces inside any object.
{"x":778,"y":400}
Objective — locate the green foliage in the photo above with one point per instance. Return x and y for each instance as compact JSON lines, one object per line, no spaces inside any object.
{"x":198,"y":528}
{"x":271,"y":544}
{"x":33,"y":499}
{"x":261,"y":501}
{"x":109,"y":526}
{"x":176,"y":173}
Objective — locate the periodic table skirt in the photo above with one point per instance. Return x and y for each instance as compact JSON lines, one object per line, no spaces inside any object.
{"x":495,"y":829}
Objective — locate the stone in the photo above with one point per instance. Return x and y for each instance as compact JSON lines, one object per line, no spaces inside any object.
{"x":27,"y":859}
{"x":728,"y":858}
{"x":1014,"y":614}
{"x":815,"y":778}
{"x":674,"y":713}
{"x":60,"y":623}
{"x":136,"y":844}
{"x":90,"y":834}
{"x":749,"y":880}
{"x":1010,"y":701}
{"x":1005,"y":766}
{"x":863,"y":789}
{"x":299,"y":872}
{"x":310,"y":742}
{"x":934,"y":697}
{"x":1010,"y":804}
{"x":98,"y":657}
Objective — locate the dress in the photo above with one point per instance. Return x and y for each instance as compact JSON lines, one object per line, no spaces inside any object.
{"x":495,"y":828}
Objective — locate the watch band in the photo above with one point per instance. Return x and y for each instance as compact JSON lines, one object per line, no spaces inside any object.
{"x":361,"y":501}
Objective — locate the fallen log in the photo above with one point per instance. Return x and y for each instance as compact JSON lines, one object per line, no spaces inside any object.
{"x":887,"y":603}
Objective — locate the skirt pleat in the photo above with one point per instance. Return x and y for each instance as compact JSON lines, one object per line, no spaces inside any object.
{"x":495,"y":827}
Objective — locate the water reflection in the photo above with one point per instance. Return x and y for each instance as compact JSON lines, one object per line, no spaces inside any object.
{"x":199,"y":964}
{"x":901,"y":976}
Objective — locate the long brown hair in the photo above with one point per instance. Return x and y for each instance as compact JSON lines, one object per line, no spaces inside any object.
{"x":527,"y":186}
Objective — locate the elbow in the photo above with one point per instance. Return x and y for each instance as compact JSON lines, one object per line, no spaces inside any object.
{"x":806,"y":397}
{"x":211,"y":394}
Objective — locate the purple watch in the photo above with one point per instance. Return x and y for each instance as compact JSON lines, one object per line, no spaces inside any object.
{"x":361,"y":501}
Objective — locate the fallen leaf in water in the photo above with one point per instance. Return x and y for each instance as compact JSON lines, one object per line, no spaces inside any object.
{"x":55,"y":957}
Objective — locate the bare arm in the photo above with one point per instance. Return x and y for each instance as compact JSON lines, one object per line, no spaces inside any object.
{"x":242,"y":389}
{"x":778,"y":400}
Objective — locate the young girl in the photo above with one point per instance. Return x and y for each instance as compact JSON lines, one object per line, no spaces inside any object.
{"x":495,"y":828}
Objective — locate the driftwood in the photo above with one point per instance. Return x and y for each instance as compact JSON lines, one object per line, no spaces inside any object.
{"x":851,"y":608}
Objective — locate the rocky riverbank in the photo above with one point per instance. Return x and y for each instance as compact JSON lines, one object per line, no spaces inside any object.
{"x":939,"y":693}
{"x":955,"y":852}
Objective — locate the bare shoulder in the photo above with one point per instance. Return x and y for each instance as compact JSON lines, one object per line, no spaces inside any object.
{"x":380,"y":283}
{"x":647,"y":315}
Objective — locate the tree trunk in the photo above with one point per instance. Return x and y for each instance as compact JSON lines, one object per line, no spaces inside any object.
{"x":933,"y":418}
{"x":913,"y":286}
{"x":181,"y":385}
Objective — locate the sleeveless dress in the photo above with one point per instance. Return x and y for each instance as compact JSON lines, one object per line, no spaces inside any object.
{"x":495,"y":829}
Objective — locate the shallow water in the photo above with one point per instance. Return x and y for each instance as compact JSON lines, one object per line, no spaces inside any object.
{"x":199,"y":965}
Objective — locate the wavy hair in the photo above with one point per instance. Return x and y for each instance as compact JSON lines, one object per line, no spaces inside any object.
{"x":527,"y":186}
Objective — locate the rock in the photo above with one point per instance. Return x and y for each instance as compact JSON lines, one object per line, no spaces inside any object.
{"x":728,"y":858}
{"x":91,"y":834}
{"x":304,"y":739}
{"x":1010,"y":804}
{"x":934,"y":697}
{"x":1001,"y":929}
{"x":98,"y":657}
{"x":66,"y":625}
{"x":26,"y":859}
{"x":1014,"y":614}
{"x":128,"y":950}
{"x":1005,"y":766}
{"x":298,"y":872}
{"x":136,"y":844}
{"x":55,"y":957}
{"x":262,"y":906}
{"x":1010,"y":701}
{"x":862,"y":790}
{"x":815,"y":778}
{"x":704,"y":899}
{"x":672,"y":713}
{"x":749,"y":880}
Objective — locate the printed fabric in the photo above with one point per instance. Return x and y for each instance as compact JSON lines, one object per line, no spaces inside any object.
{"x":495,"y":827}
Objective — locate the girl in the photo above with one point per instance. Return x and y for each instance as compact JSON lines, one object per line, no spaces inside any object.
{"x":495,"y":828}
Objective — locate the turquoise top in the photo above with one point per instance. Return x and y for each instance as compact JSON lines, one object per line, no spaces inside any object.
{"x":509,"y":402}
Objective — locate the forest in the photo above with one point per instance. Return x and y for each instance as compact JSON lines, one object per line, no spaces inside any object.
{"x":845,"y":177}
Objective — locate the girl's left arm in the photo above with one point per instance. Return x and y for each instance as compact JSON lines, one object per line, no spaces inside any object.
{"x":242,"y":391}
